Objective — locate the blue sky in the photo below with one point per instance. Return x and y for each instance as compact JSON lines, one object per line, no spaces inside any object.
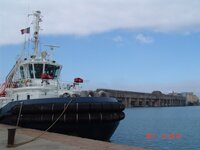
{"x":145,"y":55}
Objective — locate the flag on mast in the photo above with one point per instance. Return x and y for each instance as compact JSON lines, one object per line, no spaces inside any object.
{"x":26,"y":30}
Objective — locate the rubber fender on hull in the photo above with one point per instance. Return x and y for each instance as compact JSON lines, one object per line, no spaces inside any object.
{"x":103,"y":94}
{"x":73,"y":107}
{"x":75,"y":117}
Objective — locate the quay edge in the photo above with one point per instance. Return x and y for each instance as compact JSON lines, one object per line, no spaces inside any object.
{"x":52,"y":141}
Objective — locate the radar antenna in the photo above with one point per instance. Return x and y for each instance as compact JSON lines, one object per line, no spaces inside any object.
{"x":52,"y":47}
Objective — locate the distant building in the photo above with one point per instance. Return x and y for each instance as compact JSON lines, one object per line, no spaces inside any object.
{"x":154,"y":99}
{"x":191,"y":99}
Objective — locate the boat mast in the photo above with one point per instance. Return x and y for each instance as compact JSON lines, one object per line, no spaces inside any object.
{"x":36,"y":22}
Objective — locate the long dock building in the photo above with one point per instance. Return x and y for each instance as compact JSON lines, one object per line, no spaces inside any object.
{"x":154,"y":99}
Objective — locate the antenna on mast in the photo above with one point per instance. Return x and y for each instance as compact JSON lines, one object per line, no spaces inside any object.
{"x":37,"y":15}
{"x":51,"y":47}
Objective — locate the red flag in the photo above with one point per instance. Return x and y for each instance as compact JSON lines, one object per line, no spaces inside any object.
{"x":27,"y":30}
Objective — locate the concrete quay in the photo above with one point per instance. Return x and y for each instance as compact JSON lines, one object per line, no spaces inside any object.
{"x":52,"y":141}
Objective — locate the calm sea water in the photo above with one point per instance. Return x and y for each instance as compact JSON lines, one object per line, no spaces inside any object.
{"x":161,"y":128}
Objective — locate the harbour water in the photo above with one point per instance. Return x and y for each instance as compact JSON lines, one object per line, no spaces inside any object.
{"x":161,"y":128}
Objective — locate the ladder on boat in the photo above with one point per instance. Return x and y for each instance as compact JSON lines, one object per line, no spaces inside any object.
{"x":2,"y":90}
{"x":9,"y":78}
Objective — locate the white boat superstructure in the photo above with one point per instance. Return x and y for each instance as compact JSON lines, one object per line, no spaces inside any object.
{"x":36,"y":76}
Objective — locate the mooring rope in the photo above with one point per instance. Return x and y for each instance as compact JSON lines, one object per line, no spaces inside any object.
{"x":25,"y":142}
{"x":19,"y":115}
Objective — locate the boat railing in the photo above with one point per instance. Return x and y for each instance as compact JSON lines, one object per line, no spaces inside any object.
{"x":65,"y":86}
{"x":70,"y":86}
{"x":33,"y":83}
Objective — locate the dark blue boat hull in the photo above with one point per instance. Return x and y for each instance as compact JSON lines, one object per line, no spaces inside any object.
{"x":90,"y":117}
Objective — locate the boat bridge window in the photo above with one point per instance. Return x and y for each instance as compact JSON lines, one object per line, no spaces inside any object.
{"x":22,"y":72}
{"x":52,"y":70}
{"x":38,"y":70}
{"x":31,"y":70}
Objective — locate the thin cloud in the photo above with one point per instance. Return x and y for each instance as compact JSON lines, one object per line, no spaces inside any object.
{"x":118,"y":39}
{"x":88,"y":17}
{"x":144,"y":39}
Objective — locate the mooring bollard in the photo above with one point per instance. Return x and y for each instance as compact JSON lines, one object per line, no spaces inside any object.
{"x":11,"y":137}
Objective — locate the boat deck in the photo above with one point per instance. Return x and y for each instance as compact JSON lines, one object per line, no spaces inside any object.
{"x":52,"y":141}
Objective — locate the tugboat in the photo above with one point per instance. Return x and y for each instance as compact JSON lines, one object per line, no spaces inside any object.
{"x":34,"y":97}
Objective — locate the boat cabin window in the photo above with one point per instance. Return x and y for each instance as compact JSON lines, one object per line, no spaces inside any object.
{"x":38,"y":70}
{"x":52,"y":70}
{"x":22,"y":72}
{"x":31,"y":70}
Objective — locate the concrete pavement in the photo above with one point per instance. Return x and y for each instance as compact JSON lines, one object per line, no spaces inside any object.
{"x":55,"y":141}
